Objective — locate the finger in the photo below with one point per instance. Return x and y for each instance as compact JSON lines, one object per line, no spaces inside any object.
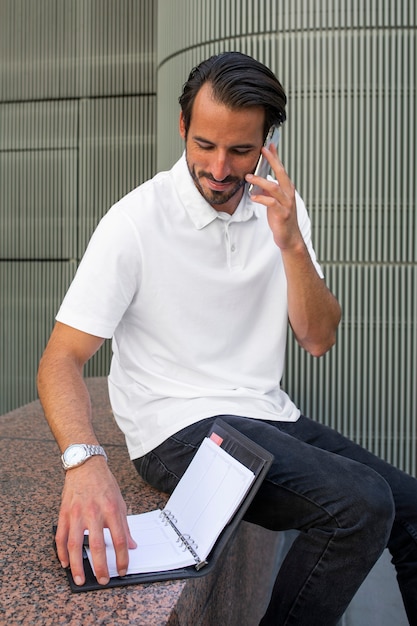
{"x":131,"y":543}
{"x":279,"y":170}
{"x":269,"y":187}
{"x":275,"y":165}
{"x":75,"y":551}
{"x":120,"y":537}
{"x":98,"y":553}
{"x":61,"y":542}
{"x":122,"y":544}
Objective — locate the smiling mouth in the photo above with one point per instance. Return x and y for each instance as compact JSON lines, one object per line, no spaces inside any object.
{"x":216,"y":185}
{"x":220,"y":185}
{"x":220,"y":190}
{"x":215,"y":192}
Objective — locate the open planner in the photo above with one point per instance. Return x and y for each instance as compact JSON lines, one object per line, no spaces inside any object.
{"x":185,"y":538}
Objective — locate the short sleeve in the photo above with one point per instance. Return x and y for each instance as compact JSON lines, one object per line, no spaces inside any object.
{"x":107,"y":278}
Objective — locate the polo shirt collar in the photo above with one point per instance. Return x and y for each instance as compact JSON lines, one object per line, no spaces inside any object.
{"x":199,"y":211}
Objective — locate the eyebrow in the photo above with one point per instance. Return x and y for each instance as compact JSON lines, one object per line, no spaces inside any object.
{"x":240,"y":145}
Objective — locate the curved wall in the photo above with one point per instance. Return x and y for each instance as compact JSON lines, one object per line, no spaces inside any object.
{"x":349,"y":143}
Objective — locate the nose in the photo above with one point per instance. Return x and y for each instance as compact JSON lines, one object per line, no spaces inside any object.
{"x":220,"y":168}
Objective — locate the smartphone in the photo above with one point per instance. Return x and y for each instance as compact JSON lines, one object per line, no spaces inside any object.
{"x":263,"y":168}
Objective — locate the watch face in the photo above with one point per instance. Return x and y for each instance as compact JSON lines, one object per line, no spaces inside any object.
{"x":75,"y":455}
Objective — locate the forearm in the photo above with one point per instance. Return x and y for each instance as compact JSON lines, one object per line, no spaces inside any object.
{"x":61,"y":387}
{"x":65,"y":400}
{"x":314,"y":312}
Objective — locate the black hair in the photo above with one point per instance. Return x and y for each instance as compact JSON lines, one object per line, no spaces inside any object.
{"x":238,"y":81}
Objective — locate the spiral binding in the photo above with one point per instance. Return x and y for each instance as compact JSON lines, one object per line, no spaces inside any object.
{"x":185,"y":540}
{"x":168,"y":517}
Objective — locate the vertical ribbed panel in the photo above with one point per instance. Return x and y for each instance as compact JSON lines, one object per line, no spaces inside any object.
{"x":352,"y":111}
{"x":38,"y":173}
{"x":77,"y":109}
{"x":349,"y":69}
{"x":117,"y":137}
{"x":30,"y":293}
{"x":77,"y":48}
{"x":38,"y":216}
{"x":365,"y":386}
{"x":38,"y":43}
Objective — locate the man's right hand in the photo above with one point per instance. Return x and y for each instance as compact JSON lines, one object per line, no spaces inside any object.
{"x":91,"y":500}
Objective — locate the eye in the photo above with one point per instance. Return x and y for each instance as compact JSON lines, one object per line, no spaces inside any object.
{"x":242,"y":151}
{"x":204,"y":146}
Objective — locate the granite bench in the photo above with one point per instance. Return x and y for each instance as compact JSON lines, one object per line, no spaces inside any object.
{"x":34,"y":587}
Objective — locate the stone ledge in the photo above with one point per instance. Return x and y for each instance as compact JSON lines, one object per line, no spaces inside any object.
{"x":34,"y":586}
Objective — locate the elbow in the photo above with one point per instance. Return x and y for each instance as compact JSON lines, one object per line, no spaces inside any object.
{"x":318,"y":334}
{"x":320,"y":342}
{"x":320,"y":349}
{"x":326,"y":339}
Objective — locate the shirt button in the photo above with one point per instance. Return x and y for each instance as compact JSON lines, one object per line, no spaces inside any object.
{"x":233,"y":248}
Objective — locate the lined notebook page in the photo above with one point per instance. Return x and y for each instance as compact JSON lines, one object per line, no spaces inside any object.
{"x":158,"y":546}
{"x":204,"y":501}
{"x":208,"y":494}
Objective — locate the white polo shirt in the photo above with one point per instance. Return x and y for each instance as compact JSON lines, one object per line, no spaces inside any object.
{"x":195,"y":301}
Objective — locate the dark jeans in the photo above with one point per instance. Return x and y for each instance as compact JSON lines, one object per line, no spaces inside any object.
{"x":348,"y":504}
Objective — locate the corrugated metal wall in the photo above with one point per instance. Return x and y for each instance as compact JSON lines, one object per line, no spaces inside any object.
{"x":78,"y":115}
{"x":349,"y":68}
{"x":77,"y":131}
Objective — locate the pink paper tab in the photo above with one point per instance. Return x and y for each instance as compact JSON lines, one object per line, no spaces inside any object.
{"x":216,"y":438}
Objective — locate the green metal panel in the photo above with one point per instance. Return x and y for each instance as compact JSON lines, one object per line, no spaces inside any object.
{"x":117,"y":153}
{"x":365,"y":386}
{"x":30,"y":295}
{"x":38,"y":196}
{"x":77,"y":102}
{"x":38,"y":173}
{"x":76,"y":48}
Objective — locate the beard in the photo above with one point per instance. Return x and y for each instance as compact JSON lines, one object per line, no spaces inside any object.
{"x":212,"y":196}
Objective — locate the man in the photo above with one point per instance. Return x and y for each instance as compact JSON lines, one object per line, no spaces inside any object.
{"x":196,"y":281}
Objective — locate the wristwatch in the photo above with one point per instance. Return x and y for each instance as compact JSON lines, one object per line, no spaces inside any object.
{"x":78,"y":453}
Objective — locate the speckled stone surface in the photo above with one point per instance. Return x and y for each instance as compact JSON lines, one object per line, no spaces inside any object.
{"x":34,"y":587}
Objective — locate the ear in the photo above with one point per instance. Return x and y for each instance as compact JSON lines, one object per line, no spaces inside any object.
{"x":182,"y":130}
